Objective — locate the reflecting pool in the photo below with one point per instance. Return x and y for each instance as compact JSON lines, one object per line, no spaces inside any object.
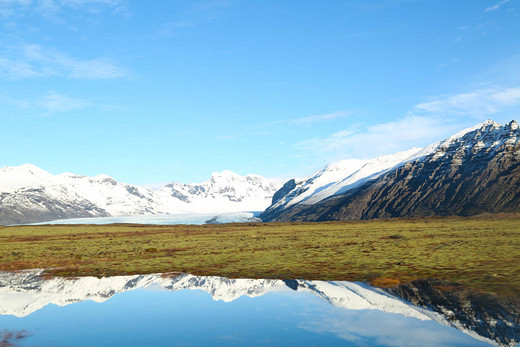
{"x":168,"y":309}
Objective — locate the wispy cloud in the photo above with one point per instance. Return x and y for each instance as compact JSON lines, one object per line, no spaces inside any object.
{"x":318,"y":118}
{"x":476,"y":103}
{"x":51,"y":8}
{"x":192,"y":17}
{"x":425,"y":123}
{"x":409,"y":131}
{"x":10,"y":102}
{"x":54,"y":102}
{"x":30,"y":61}
{"x":49,"y":104}
{"x":207,"y":5}
{"x":267,"y":127}
{"x":497,"y":6}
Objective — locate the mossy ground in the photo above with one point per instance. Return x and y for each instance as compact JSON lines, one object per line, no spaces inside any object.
{"x":482,"y":253}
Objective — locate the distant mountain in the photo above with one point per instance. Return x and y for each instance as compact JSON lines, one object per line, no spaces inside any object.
{"x":472,"y":172}
{"x":227,"y":190}
{"x":29,"y":194}
{"x":486,"y":318}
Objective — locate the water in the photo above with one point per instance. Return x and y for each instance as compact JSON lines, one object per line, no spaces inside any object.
{"x":189,"y":310}
{"x":169,"y":219}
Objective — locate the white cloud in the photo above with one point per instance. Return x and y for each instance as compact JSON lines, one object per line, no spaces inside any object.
{"x":497,"y":6}
{"x":29,"y":61}
{"x":506,"y":97}
{"x":52,"y":8}
{"x":12,"y":102}
{"x":317,"y":118}
{"x":379,"y":139}
{"x":41,"y":106}
{"x":95,"y":69}
{"x":17,"y":69}
{"x":59,"y":103}
{"x":425,"y":123}
{"x":477,"y":103}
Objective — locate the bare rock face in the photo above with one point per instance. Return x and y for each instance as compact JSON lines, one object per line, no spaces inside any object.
{"x":476,"y":173}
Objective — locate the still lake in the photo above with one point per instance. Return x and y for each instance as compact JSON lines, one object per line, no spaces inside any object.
{"x":173,"y":309}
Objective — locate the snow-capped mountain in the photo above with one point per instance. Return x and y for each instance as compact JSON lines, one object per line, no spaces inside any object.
{"x":477,"y":170}
{"x":334,"y":179}
{"x":487,"y":319}
{"x":227,"y":190}
{"x":29,"y":194}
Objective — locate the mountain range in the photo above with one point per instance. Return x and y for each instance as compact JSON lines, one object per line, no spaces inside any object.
{"x":486,"y":318}
{"x":475,"y":171}
{"x":29,"y":194}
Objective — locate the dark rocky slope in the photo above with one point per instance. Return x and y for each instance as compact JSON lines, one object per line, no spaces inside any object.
{"x":476,"y":173}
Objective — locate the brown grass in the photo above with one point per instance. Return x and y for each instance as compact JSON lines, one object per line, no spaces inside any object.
{"x":482,"y":252}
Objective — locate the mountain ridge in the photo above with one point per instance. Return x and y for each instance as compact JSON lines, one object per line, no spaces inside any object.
{"x":29,"y":194}
{"x":474,"y":171}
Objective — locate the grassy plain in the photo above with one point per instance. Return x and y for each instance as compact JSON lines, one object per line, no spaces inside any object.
{"x":482,"y":253}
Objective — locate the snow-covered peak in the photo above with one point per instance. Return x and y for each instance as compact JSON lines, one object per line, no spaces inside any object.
{"x":371,"y":169}
{"x":26,"y":175}
{"x":340,"y":176}
{"x":513,"y":125}
{"x":98,"y":178}
{"x":486,"y":126}
{"x":482,"y":132}
{"x":30,"y":188}
{"x":225,"y":175}
{"x":225,"y":191}
{"x":30,"y":168}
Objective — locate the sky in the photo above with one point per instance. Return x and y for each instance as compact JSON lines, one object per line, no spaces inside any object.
{"x":154,"y":92}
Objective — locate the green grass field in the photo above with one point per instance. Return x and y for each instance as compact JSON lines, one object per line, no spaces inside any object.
{"x":482,"y":253}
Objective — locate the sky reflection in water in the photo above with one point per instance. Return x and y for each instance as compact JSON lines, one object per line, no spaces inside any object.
{"x":278,"y":316}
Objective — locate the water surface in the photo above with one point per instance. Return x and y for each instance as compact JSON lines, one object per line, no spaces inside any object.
{"x":163,"y":309}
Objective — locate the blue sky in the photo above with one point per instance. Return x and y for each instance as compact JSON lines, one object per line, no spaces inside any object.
{"x":175,"y":90}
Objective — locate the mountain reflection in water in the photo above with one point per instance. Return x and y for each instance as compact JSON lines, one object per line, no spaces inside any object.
{"x":418,"y":313}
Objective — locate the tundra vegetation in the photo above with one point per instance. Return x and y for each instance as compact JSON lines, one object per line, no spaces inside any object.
{"x":482,"y":252}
